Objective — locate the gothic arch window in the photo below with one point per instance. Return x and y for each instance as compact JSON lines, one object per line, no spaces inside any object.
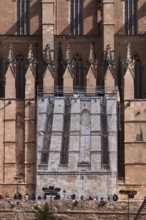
{"x":130,"y":17}
{"x":76,"y":17}
{"x":79,"y":73}
{"x":22,"y":17}
{"x":137,"y":77}
{"x":20,"y":77}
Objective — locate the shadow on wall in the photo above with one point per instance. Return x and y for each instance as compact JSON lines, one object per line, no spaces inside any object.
{"x":141,"y":13}
{"x":34,"y":10}
{"x":96,"y":17}
{"x":88,"y":13}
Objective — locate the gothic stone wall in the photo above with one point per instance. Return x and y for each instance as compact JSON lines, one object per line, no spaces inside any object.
{"x":77,"y":144}
{"x":8,"y":17}
{"x":120,"y":17}
{"x":138,"y":48}
{"x":135,"y":143}
{"x":17,"y":136}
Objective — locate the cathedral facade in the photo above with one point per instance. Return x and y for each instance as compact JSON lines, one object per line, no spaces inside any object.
{"x":72,"y":96}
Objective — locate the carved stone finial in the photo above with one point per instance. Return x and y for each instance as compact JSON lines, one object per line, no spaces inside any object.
{"x":108,"y":54}
{"x":11,"y":58}
{"x":92,"y":54}
{"x":49,"y":62}
{"x":108,"y":61}
{"x":129,"y":61}
{"x":30,"y":57}
{"x":32,"y":61}
{"x":47,"y":54}
{"x":93,"y":60}
{"x":68,"y":54}
{"x":128,"y":53}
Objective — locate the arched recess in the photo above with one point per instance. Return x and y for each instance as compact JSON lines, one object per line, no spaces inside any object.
{"x":20,"y":76}
{"x":137,"y":76}
{"x":79,"y":74}
{"x":85,"y":139}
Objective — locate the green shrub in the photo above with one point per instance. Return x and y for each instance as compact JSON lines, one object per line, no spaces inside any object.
{"x":102,"y":203}
{"x":44,"y":213}
{"x":12,"y":206}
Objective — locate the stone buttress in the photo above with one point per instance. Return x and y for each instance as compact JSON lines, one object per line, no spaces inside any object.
{"x":74,"y":159}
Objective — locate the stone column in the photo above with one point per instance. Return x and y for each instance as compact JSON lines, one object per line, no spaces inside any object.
{"x":10,"y":87}
{"x":74,"y":144}
{"x":95,"y":135}
{"x":48,"y":23}
{"x":108,"y":23}
{"x":30,"y":137}
{"x":112,"y":141}
{"x":30,"y":121}
{"x":9,"y":141}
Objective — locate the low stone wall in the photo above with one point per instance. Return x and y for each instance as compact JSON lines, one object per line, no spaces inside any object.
{"x":86,"y":210}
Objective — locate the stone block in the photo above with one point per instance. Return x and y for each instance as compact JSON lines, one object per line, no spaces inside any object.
{"x":95,"y":105}
{"x":95,"y":123}
{"x":75,"y":105}
{"x":56,"y":143}
{"x":42,"y":105}
{"x":59,"y":106}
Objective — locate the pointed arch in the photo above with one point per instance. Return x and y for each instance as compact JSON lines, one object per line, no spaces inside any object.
{"x":20,"y":76}
{"x":79,"y":73}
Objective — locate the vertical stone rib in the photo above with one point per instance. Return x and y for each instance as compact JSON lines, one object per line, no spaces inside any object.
{"x":104,"y":136}
{"x":47,"y":137}
{"x":66,"y":136}
{"x":56,"y":136}
{"x":112,"y":140}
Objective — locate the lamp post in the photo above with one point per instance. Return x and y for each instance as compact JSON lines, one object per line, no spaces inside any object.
{"x":51,"y":190}
{"x":130,"y":195}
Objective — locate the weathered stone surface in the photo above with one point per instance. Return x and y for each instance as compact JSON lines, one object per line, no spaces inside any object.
{"x":65,"y":209}
{"x":84,"y":165}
